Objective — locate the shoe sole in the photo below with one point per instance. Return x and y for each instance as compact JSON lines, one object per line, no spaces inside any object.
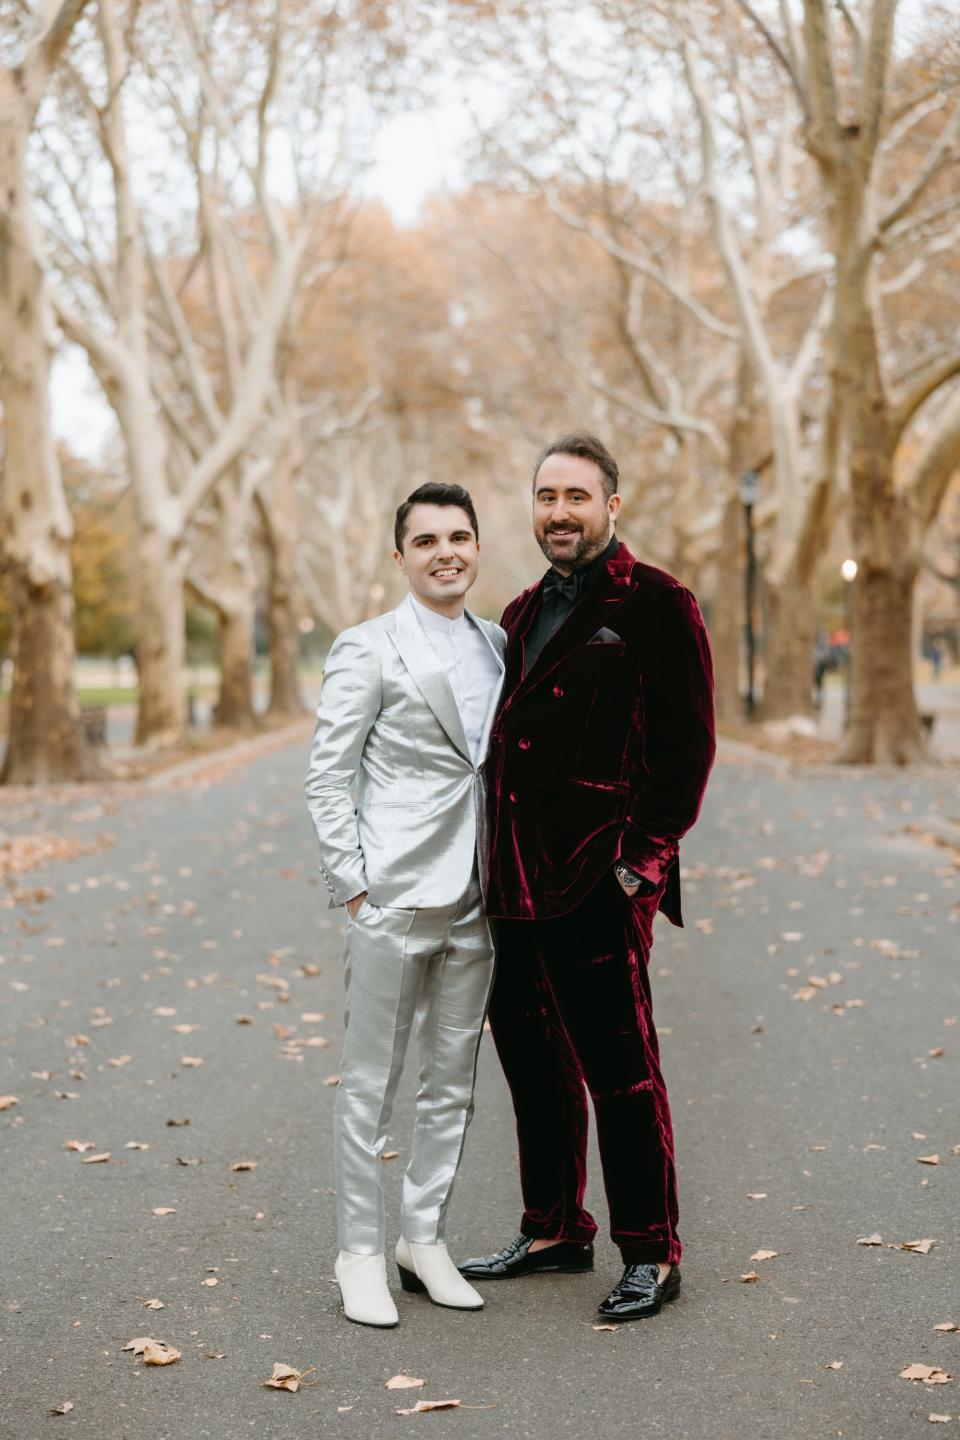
{"x":372,"y":1324}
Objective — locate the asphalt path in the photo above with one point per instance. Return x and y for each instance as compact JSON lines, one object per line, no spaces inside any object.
{"x":201,"y":907}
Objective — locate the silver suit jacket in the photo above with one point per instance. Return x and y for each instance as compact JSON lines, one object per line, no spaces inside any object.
{"x":388,"y":722}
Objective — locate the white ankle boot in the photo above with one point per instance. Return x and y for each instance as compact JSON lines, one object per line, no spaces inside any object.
{"x":363,"y":1289}
{"x":429,"y":1268}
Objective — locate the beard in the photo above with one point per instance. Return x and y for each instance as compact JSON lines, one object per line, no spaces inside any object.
{"x":583,"y":550}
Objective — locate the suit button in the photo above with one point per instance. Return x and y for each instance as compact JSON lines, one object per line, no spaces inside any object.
{"x":558,"y":691}
{"x":512,"y":797}
{"x":524,"y":744}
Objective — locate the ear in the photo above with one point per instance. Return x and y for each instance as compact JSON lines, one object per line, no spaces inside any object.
{"x":399,"y":559}
{"x":613,"y":504}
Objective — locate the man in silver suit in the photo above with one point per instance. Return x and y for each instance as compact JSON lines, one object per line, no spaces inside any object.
{"x":405,"y":715}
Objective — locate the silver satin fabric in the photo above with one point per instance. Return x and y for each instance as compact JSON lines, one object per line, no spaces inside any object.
{"x":388,"y":724}
{"x":430,"y":968}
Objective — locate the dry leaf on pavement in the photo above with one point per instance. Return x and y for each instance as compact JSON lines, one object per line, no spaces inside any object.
{"x":873,"y":1239}
{"x":164,"y":1210}
{"x":8,"y":1101}
{"x":947,"y":1325}
{"x":938,"y":1419}
{"x":79,"y":1145}
{"x":422,"y":1405}
{"x":95,"y":1159}
{"x":153,"y":1304}
{"x":404,"y":1382}
{"x":244,"y":1165}
{"x":604,"y":1327}
{"x":63,"y":1409}
{"x":835,"y":1365}
{"x":764,"y":1255}
{"x":929,"y":1374}
{"x":920,"y":1247}
{"x":153,"y":1352}
{"x":190,"y":1060}
{"x":284,"y":1377}
{"x":750,"y":1277}
{"x":389,"y":1155}
{"x":928,"y":1159}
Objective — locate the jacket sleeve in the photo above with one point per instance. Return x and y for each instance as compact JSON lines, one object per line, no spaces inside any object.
{"x":349,"y":704}
{"x":679,"y":740}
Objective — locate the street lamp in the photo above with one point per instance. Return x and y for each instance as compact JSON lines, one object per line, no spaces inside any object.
{"x":749,"y":491}
{"x":849,"y":572}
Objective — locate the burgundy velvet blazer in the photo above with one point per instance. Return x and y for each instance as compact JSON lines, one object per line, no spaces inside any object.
{"x":602,"y":751}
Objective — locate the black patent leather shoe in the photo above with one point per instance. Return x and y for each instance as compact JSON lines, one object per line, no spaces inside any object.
{"x":568,"y":1258}
{"x":639,"y":1293}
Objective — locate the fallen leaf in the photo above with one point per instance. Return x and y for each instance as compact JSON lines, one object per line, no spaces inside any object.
{"x":404,"y":1382}
{"x":284,"y":1377}
{"x":423,"y":1405}
{"x":185,"y":1029}
{"x":153,"y":1304}
{"x":750,"y":1277}
{"x":119,"y":1060}
{"x":136,"y":1145}
{"x":165,"y":1210}
{"x":936,"y":1052}
{"x":95,"y":1159}
{"x":835,"y":1365}
{"x":929,"y":1374}
{"x":188,"y":1159}
{"x":63,"y":1409}
{"x":312,"y":1017}
{"x":8,"y":1101}
{"x":389,"y":1155}
{"x":756,"y":1194}
{"x":870,"y":1240}
{"x":178,"y":1122}
{"x":244,"y":1165}
{"x":243,"y":1020}
{"x":928,"y":1159}
{"x":211,"y":1280}
{"x":764,"y":1255}
{"x":947,"y":1326}
{"x":332,"y":1080}
{"x":604,"y":1327}
{"x":921,"y":1247}
{"x":938,"y":1419}
{"x":79,"y":1145}
{"x":154,"y":1352}
{"x":190,"y":1061}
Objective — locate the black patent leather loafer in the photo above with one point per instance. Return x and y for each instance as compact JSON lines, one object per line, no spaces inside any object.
{"x":568,"y":1258}
{"x":639,"y":1293}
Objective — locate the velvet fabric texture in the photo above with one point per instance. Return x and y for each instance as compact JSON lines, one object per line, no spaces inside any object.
{"x":571,"y":1008}
{"x":602,"y":749}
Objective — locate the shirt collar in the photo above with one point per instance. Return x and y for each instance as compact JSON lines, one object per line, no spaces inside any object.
{"x":431,"y":620}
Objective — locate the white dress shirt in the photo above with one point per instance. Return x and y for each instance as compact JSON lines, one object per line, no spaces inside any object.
{"x":470,"y":666}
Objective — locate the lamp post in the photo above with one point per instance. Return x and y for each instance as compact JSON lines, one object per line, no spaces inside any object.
{"x":749,"y":491}
{"x":849,"y":572}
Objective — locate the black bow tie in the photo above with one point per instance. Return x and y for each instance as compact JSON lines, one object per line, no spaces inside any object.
{"x":566,"y":585}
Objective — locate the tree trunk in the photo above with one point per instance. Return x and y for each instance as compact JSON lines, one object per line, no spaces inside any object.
{"x":885,"y":727}
{"x":285,"y":697}
{"x":726,"y":611}
{"x":788,"y":649}
{"x":162,"y":712}
{"x":46,"y":742}
{"x":234,"y":705}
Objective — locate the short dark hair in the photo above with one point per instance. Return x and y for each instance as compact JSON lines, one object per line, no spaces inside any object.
{"x":435,"y":492}
{"x":587,"y":447}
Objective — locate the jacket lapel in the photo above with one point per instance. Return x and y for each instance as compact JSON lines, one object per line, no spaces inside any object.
{"x":427,"y":673}
{"x":602,"y":599}
{"x":497,"y":692}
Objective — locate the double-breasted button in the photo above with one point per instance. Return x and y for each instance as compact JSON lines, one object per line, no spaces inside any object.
{"x":558,"y":692}
{"x":524,"y":744}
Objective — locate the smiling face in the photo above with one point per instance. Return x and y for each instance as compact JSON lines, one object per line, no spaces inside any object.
{"x":440,"y":556}
{"x":572,"y":514}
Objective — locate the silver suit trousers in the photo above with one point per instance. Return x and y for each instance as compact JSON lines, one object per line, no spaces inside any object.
{"x":433,"y":969}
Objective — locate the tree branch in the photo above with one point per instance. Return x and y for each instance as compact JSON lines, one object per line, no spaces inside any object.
{"x":930,"y":379}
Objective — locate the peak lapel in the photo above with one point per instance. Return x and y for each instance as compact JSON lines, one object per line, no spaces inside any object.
{"x":424,"y":666}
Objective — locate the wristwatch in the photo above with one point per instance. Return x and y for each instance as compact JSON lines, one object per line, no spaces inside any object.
{"x":626,"y":876}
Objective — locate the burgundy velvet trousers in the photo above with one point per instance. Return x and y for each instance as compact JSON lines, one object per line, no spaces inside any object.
{"x":570,"y":1012}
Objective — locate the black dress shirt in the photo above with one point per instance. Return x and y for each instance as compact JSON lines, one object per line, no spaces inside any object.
{"x":560,"y":594}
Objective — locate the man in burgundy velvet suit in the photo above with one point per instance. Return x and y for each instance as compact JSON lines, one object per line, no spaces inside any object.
{"x":598,"y":762}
